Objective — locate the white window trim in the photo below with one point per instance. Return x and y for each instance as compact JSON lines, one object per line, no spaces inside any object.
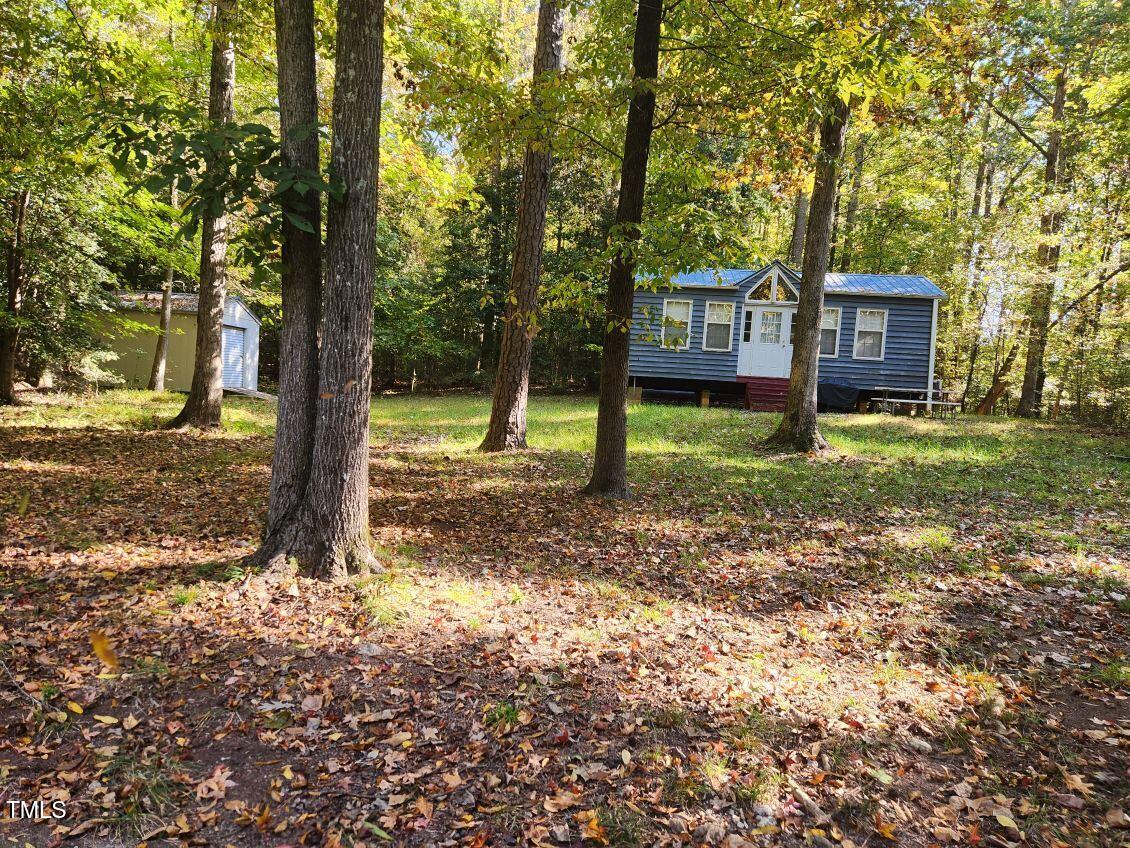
{"x":747,"y":309}
{"x":776,"y":280}
{"x":855,"y":342}
{"x":690,"y":323}
{"x":839,"y":324}
{"x":706,"y":324}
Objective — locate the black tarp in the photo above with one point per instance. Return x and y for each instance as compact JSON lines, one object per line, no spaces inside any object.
{"x":834,"y":397}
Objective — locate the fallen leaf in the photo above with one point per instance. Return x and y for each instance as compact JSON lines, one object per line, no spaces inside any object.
{"x":103,"y":650}
{"x":561,"y":801}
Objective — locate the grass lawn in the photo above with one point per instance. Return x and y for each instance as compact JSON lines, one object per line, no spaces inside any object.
{"x":921,"y":640}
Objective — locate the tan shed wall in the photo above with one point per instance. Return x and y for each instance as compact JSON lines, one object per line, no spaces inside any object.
{"x":135,"y":350}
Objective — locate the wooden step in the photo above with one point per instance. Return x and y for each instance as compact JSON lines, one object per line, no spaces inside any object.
{"x":766,"y":394}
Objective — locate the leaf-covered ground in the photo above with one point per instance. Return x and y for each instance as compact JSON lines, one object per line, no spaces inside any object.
{"x":920,"y":641}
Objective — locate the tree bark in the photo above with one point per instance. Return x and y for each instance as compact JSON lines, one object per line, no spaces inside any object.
{"x":610,"y":463}
{"x":302,"y":268}
{"x":507,"y":428}
{"x":161,"y":354}
{"x":9,"y":328}
{"x":798,"y":429}
{"x":205,"y":396}
{"x":1047,"y":258}
{"x":1000,"y":383}
{"x":852,"y":207}
{"x":800,"y":220}
{"x":330,"y":538}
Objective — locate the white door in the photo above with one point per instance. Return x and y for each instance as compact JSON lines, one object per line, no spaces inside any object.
{"x":232,"y":357}
{"x":766,"y":348}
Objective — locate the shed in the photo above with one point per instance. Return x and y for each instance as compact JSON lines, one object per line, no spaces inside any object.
{"x":135,"y":347}
{"x":730,"y":330}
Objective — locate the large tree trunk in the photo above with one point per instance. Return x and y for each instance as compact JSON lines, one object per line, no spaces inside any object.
{"x":330,"y":537}
{"x":161,"y":354}
{"x":1047,"y":258}
{"x":205,"y":396}
{"x":798,"y":430}
{"x":610,"y":463}
{"x":852,"y":208}
{"x":507,"y":428}
{"x":800,"y":220}
{"x":302,"y":268}
{"x":9,"y":328}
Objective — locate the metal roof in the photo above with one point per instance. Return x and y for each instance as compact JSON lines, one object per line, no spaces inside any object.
{"x":900,"y":285}
{"x":182,"y":302}
{"x":894,"y":285}
{"x":712,"y":277}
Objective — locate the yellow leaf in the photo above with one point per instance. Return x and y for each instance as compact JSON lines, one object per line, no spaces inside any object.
{"x":1006,"y":821}
{"x":130,"y":722}
{"x":74,"y":707}
{"x":595,"y":831}
{"x":885,"y":829}
{"x":103,"y":650}
{"x":106,"y":719}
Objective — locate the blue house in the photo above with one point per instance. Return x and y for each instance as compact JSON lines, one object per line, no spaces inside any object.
{"x":730,"y":331}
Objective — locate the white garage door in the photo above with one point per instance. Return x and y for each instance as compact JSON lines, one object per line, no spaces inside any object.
{"x":233,"y":357}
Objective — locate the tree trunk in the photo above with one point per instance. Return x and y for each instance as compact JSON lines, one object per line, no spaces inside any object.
{"x":302,"y":267}
{"x":507,"y":428}
{"x":610,"y":463}
{"x":330,"y":533}
{"x":1000,"y":383}
{"x":1051,"y":222}
{"x":852,"y":207}
{"x":161,"y":354}
{"x":800,"y":219}
{"x":9,"y":328}
{"x":205,"y":396}
{"x":798,"y":429}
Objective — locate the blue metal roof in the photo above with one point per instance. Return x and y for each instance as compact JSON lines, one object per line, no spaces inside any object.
{"x":902,"y":285}
{"x":896,"y":285}
{"x":712,"y":277}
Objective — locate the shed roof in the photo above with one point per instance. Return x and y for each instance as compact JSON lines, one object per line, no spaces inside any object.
{"x":894,"y":285}
{"x":184,"y":302}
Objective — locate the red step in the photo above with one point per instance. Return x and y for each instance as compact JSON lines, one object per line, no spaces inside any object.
{"x":766,"y":394}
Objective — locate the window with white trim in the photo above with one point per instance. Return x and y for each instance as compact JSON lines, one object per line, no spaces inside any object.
{"x":870,"y":333}
{"x":747,"y":326}
{"x":770,"y":332}
{"x":784,"y":292}
{"x":830,"y":332}
{"x":718,"y":332}
{"x":677,"y":324}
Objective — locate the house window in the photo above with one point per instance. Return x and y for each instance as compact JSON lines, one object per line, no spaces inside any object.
{"x":784,"y":292}
{"x":747,"y":326}
{"x":830,"y":332}
{"x":719,"y":330}
{"x":770,"y":332}
{"x":763,"y":290}
{"x":677,"y":324}
{"x":870,"y":333}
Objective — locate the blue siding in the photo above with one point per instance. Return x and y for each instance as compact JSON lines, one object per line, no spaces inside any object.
{"x":651,"y":359}
{"x":906,"y":356}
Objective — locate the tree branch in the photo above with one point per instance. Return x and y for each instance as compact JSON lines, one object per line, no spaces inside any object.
{"x":1023,"y":133}
{"x":1103,"y":280}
